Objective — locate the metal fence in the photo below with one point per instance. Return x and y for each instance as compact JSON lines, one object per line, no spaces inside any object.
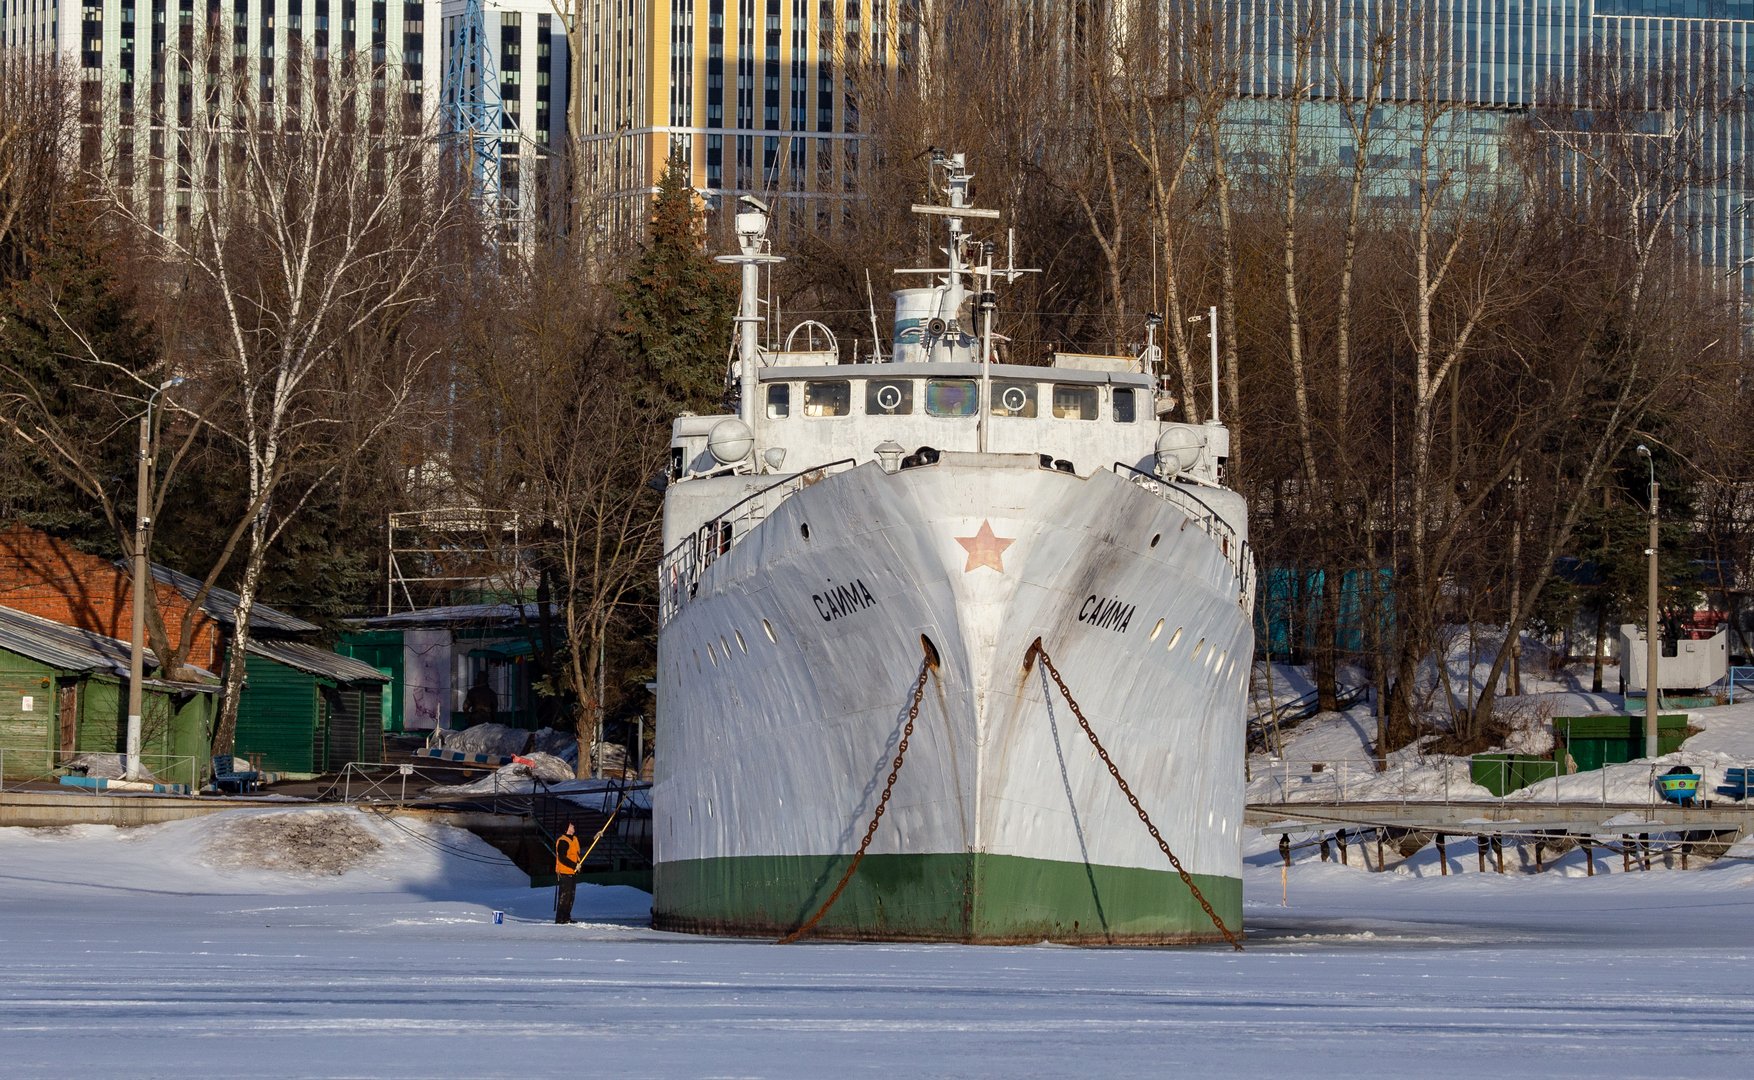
{"x":1450,"y":781}
{"x":25,"y":766}
{"x":387,"y":782}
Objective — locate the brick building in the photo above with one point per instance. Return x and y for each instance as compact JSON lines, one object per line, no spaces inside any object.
{"x":304,"y":710}
{"x":48,"y":577}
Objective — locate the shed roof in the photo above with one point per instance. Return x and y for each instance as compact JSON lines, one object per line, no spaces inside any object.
{"x":71,"y":649}
{"x":222,"y":605}
{"x":316,"y":660}
{"x":457,"y":615}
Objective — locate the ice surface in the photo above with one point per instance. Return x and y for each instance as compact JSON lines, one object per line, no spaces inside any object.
{"x":130,"y":953}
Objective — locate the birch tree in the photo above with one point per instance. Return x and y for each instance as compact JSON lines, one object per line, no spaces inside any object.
{"x":312,"y":252}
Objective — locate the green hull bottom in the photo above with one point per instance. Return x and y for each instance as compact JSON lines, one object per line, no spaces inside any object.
{"x":969,"y":897}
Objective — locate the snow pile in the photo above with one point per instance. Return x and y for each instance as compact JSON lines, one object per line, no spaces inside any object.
{"x":298,"y":842}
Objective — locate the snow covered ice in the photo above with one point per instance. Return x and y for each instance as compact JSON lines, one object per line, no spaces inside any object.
{"x":150,"y":952}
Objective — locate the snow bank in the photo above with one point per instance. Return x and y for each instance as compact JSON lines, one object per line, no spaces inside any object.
{"x":298,"y":842}
{"x":266,"y":850}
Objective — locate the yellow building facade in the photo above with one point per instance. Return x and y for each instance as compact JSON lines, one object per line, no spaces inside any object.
{"x":761,"y":96}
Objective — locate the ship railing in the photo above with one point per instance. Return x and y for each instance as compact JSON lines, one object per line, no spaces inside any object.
{"x":1236,"y":550}
{"x":680,"y":568}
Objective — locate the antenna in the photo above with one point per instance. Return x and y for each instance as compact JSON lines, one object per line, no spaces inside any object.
{"x":1211,"y":319}
{"x":871,"y":300}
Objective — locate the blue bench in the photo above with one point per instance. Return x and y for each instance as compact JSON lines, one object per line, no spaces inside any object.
{"x":1737,"y":783}
{"x":234,"y":772}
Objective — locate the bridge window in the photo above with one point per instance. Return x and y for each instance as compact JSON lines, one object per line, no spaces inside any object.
{"x":1074,"y":402}
{"x":951,"y":397}
{"x":779,"y":401}
{"x":828,"y":397}
{"x":1013,"y":398}
{"x":889,"y":397}
{"x":1125,"y":410}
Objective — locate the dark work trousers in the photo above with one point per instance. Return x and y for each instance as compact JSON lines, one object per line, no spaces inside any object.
{"x":568,"y":885}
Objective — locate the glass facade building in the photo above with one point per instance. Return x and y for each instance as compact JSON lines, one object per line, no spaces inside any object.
{"x":1499,"y":58}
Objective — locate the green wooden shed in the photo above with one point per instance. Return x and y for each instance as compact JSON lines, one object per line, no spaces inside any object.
{"x":64,"y":692}
{"x":306,"y":710}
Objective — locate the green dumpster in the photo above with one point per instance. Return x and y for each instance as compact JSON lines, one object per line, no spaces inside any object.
{"x":1595,"y":741}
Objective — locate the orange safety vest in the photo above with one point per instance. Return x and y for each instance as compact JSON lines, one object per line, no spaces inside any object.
{"x":566,"y":855}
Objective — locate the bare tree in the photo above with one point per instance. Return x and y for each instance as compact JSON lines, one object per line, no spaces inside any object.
{"x":36,"y":149}
{"x":575,"y":447}
{"x":1656,"y":334}
{"x":312,"y":254}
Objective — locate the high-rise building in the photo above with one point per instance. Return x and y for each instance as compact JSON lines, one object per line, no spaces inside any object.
{"x":1494,"y":59}
{"x":524,"y":50}
{"x":146,"y":68}
{"x":759,"y":95}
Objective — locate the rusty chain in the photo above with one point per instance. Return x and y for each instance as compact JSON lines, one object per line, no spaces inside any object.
{"x":1036,"y":650}
{"x":913,"y":713}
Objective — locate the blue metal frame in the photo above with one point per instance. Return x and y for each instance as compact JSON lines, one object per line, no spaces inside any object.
{"x":474,"y":112}
{"x":1743,"y":675}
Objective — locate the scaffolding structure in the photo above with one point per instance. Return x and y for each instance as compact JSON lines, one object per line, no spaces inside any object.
{"x":431,"y":553}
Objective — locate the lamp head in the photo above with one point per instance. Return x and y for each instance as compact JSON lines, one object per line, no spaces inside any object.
{"x":1643,"y":450}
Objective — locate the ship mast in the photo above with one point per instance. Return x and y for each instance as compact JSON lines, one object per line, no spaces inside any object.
{"x":952,"y":288}
{"x":754,"y":252}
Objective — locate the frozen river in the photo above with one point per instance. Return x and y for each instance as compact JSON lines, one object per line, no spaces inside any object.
{"x":171,"y":951}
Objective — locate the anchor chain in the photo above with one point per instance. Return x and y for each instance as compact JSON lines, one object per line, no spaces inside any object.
{"x":1036,"y":650}
{"x":913,"y":713}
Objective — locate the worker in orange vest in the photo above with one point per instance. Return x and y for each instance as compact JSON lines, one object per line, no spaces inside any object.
{"x":566,"y":871}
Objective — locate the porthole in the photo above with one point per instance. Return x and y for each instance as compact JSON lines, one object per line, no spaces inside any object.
{"x":767,"y":628}
{"x":725,"y":646}
{"x":1198,"y":647}
{"x":1156,"y":538}
{"x":804,"y":530}
{"x":1173,"y":639}
{"x":710,"y":655}
{"x":1155,"y":630}
{"x":741,"y":644}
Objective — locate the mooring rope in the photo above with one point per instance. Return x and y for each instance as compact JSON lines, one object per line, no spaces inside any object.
{"x":1036,"y":650}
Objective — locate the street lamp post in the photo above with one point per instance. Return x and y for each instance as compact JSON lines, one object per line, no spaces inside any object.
{"x":1652,"y":653}
{"x":142,"y":524}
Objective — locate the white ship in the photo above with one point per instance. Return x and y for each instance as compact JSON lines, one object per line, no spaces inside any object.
{"x":855,"y":525}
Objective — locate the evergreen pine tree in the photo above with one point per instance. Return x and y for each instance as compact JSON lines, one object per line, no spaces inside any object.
{"x":70,"y":307}
{"x":676,"y":306}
